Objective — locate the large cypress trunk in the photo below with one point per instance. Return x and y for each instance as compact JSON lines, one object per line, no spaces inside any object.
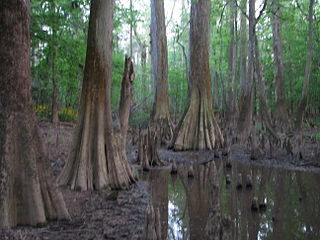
{"x":159,"y":54}
{"x":27,"y":193}
{"x":97,"y":158}
{"x":246,"y":92}
{"x":198,"y":128}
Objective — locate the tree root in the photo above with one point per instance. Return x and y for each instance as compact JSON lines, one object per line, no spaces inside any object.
{"x":198,"y":129}
{"x":148,"y":148}
{"x":164,"y":128}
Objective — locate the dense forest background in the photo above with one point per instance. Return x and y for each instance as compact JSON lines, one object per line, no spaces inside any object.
{"x":238,"y":78}
{"x":59,"y":31}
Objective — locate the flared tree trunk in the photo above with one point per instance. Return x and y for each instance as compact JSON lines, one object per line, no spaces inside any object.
{"x":97,"y":158}
{"x":246,"y":92}
{"x":159,"y":55}
{"x":149,"y":146}
{"x":198,"y":128}
{"x":28,"y":195}
{"x":306,"y":81}
{"x":281,"y":109}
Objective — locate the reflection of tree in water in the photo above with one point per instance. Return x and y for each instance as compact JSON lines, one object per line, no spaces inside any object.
{"x":158,"y":181}
{"x":179,"y":218}
{"x":309,"y":213}
{"x":203,"y":203}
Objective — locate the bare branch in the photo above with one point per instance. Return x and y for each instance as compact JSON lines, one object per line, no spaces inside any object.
{"x":300,"y":8}
{"x":262,"y":10}
{"x":224,"y":7}
{"x":242,"y":11}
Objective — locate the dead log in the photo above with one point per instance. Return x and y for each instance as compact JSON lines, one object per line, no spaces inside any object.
{"x":126,"y":98}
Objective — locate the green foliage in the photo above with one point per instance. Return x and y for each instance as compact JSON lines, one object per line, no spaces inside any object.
{"x":140,"y":118}
{"x":67,"y":114}
{"x":117,"y":72}
{"x":58,"y":49}
{"x":43,"y":112}
{"x":178,"y":88}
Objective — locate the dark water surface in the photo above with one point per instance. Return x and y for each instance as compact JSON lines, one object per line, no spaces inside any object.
{"x":205,"y":207}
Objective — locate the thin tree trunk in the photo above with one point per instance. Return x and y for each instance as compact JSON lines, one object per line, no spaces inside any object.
{"x":243,"y":49}
{"x":55,"y":91}
{"x":246,"y":94}
{"x":97,"y":157}
{"x":198,"y":128}
{"x":28,"y":195}
{"x":305,"y":90}
{"x":54,"y":115}
{"x":185,"y":58}
{"x":126,"y":98}
{"x":281,"y":109}
{"x":159,"y":54}
{"x":143,"y":62}
{"x":230,"y":104}
{"x":131,"y":23}
{"x":264,"y":110}
{"x":144,"y":74}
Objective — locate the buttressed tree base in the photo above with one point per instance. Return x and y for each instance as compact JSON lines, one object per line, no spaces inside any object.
{"x":28,"y":195}
{"x":198,"y":128}
{"x":98,"y":158}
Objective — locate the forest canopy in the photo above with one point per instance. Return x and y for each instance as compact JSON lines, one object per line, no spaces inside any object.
{"x":59,"y":30}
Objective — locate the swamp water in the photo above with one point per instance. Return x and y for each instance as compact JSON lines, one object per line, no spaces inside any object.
{"x":206,"y":207}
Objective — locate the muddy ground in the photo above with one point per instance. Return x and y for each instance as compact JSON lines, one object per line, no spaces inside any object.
{"x":121,"y":215}
{"x":95,"y":215}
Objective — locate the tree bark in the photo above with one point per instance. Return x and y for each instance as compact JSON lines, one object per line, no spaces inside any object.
{"x":264,"y":110}
{"x":55,"y":91}
{"x":28,"y":195}
{"x":281,"y":109}
{"x":131,"y":23}
{"x":159,"y":54}
{"x":231,"y":107}
{"x":246,"y":93}
{"x":305,"y":90}
{"x":158,"y":181}
{"x":97,"y":157}
{"x":198,"y":128}
{"x":243,"y":49}
{"x":126,"y":98}
{"x":149,"y":146}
